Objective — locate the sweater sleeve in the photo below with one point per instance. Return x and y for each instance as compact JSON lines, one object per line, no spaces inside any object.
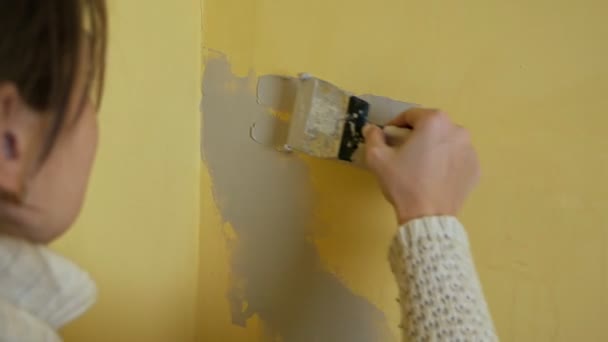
{"x":439,"y":291}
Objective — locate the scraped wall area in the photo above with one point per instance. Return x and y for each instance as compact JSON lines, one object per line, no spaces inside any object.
{"x":267,"y":198}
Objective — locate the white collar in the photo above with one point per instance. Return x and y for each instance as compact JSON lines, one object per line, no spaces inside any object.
{"x":39,"y":290}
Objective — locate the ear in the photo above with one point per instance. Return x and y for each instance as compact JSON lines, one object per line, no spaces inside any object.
{"x":20,"y":136}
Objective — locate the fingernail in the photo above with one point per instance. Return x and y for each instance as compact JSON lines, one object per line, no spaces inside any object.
{"x":366,"y":129}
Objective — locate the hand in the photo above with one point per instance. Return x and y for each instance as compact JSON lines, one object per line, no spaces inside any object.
{"x":431,"y":173}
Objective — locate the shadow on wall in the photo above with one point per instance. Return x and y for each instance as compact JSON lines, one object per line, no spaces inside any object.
{"x":267,"y":197}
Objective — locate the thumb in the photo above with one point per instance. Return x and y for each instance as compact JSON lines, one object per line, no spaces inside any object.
{"x":376,"y":149}
{"x":374,"y":137}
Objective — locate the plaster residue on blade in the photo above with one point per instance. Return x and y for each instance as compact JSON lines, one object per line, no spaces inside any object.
{"x":279,"y":93}
{"x":325,"y":116}
{"x":268,"y":199}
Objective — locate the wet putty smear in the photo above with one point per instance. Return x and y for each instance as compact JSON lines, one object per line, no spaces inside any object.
{"x":279,"y":92}
{"x":267,"y":197}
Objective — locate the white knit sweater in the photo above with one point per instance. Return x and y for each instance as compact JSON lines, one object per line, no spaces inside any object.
{"x":440,"y":295}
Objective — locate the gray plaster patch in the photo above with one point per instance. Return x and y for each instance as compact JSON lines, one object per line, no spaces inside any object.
{"x":277,"y":92}
{"x":269,"y":131}
{"x":267,"y":197}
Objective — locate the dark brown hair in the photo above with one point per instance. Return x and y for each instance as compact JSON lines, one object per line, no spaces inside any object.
{"x":40,"y":52}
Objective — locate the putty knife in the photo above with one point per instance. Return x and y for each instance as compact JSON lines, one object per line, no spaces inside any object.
{"x":327,"y":122}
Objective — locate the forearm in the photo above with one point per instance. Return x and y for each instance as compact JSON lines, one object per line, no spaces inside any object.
{"x":440,"y":294}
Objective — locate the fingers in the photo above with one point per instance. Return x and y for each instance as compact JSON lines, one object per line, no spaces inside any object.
{"x":415,"y":117}
{"x":376,"y":148}
{"x":374,"y":137}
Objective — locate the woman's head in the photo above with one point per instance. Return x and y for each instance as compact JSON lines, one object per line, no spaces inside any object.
{"x":52,"y":56}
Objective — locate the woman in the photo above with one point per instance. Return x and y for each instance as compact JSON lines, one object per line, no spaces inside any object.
{"x":52,"y":55}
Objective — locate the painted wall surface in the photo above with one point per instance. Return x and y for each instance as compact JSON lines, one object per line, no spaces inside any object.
{"x":295,"y":249}
{"x":138,"y":234}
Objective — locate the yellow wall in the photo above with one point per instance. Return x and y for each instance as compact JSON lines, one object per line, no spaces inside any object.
{"x":138,"y":234}
{"x":527,"y":77}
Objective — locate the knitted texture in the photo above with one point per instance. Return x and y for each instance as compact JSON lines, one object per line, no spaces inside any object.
{"x":440,"y":294}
